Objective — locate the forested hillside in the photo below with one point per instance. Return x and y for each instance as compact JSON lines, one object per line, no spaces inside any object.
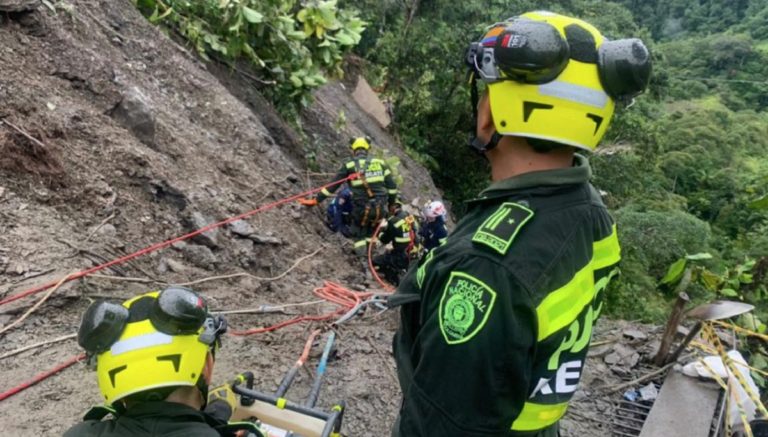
{"x":684,"y":169}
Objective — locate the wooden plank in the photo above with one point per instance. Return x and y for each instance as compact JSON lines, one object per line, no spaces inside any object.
{"x":298,"y":423}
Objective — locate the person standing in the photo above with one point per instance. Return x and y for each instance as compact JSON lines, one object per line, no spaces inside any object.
{"x":497,"y":321}
{"x":373,"y":193}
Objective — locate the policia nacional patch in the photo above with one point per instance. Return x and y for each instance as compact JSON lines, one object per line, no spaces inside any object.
{"x":464,"y":308}
{"x":500,"y":228}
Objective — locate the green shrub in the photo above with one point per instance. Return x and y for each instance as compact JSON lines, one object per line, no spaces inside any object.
{"x":292,"y":45}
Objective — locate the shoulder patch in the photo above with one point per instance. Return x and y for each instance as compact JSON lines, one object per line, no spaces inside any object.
{"x":500,"y":229}
{"x":464,"y":307}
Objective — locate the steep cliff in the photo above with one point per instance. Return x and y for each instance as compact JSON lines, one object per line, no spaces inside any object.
{"x":115,"y":137}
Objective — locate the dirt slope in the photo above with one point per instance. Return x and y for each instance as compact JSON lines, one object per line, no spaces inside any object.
{"x":96,"y":183}
{"x":94,"y":189}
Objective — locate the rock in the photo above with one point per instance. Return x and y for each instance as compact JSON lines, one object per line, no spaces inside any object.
{"x":18,"y":5}
{"x":209,"y":238}
{"x":179,"y":245}
{"x":136,"y":114}
{"x":599,"y":351}
{"x":17,"y":268}
{"x":162,"y":266}
{"x":175,"y":266}
{"x":635,"y":334}
{"x":162,"y":190}
{"x":200,"y":256}
{"x":650,"y":348}
{"x":108,"y":231}
{"x":241,"y":228}
{"x":265,"y":239}
{"x":623,"y":356}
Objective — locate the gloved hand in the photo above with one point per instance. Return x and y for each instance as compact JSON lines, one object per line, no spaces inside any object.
{"x":221,"y":402}
{"x":309,"y":201}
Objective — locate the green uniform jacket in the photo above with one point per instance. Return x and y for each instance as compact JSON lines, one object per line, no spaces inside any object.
{"x":402,"y":231}
{"x":374,"y":173}
{"x":496,"y":322}
{"x":150,"y":419}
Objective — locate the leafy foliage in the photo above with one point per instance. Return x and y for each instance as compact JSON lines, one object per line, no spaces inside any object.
{"x":683,"y":169}
{"x":293,"y":45}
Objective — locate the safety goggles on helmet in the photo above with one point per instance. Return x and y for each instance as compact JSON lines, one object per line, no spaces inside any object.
{"x":175,"y":311}
{"x":535,"y":52}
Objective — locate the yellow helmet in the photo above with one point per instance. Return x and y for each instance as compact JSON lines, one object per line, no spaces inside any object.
{"x":151,"y":343}
{"x":555,"y":78}
{"x":360,"y":143}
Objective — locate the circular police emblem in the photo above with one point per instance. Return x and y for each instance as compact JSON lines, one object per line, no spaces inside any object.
{"x":459,"y":314}
{"x":464,"y":307}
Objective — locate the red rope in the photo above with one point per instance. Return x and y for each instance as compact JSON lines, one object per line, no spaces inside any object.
{"x":40,"y":377}
{"x":164,"y":244}
{"x":345,"y":298}
{"x":307,"y":347}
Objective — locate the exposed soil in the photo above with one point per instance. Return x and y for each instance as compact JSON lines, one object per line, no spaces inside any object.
{"x":92,"y":191}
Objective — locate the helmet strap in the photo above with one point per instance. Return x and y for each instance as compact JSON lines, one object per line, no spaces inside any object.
{"x":474,"y":142}
{"x":203,"y":387}
{"x":481,"y":147}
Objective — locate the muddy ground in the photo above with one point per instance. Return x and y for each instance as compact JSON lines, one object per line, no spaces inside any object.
{"x":80,"y":185}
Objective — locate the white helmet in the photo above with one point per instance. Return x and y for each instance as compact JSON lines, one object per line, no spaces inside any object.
{"x":434,"y":210}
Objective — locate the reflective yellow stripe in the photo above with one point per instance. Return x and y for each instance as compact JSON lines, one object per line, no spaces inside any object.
{"x":360,"y":243}
{"x":399,"y":223}
{"x":387,"y":172}
{"x":402,"y":239}
{"x":538,"y":416}
{"x":356,"y":182}
{"x":325,"y":192}
{"x":606,"y":252}
{"x":350,"y":164}
{"x":392,"y":191}
{"x":375,"y":179}
{"x":561,"y":307}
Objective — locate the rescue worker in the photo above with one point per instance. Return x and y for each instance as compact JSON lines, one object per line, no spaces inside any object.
{"x":373,"y":192}
{"x":154,"y":358}
{"x":496,"y":322}
{"x":433,"y":230}
{"x":402,"y":230}
{"x":337,"y":216}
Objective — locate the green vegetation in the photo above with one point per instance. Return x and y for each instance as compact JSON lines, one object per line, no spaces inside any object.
{"x":293,"y":46}
{"x":684,"y":169}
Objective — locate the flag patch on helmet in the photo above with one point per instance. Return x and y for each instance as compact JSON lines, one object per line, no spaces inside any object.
{"x":500,"y":229}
